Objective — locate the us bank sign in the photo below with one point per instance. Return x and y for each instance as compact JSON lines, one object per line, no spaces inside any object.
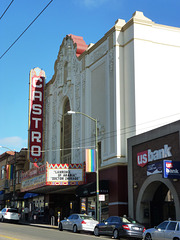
{"x":36,"y":100}
{"x":149,"y":156}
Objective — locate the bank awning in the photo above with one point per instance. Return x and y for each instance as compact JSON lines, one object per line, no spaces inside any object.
{"x":89,"y":189}
{"x":30,"y":195}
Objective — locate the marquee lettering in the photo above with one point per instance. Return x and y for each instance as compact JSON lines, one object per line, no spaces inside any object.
{"x":37,"y":82}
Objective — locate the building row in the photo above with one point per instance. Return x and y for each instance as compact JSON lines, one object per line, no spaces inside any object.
{"x":118,"y":96}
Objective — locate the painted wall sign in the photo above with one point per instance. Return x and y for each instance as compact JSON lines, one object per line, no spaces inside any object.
{"x":171,"y":169}
{"x":65,"y":174}
{"x":149,"y":156}
{"x":36,"y":101}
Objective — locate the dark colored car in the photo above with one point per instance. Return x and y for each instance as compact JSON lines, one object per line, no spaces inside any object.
{"x":120,"y":227}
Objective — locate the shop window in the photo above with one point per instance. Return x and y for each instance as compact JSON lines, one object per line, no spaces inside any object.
{"x":17,"y":177}
{"x":91,"y":210}
{"x":104,"y":206}
{"x":83,"y":205}
{"x":2,"y":172}
{"x":90,"y":207}
{"x":20,"y":174}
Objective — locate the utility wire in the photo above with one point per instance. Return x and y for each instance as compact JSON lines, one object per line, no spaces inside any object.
{"x":6,"y":9}
{"x":26,"y":29}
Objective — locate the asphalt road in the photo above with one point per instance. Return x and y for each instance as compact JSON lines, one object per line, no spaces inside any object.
{"x":9,"y":231}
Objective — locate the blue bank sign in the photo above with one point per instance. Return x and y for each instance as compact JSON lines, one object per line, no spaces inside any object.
{"x":171,"y":169}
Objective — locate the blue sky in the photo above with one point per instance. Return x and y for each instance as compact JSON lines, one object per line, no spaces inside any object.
{"x":39,"y":45}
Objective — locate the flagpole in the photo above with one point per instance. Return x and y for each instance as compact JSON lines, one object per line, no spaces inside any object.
{"x":97,"y":160}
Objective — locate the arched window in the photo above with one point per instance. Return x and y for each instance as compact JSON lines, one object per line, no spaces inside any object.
{"x":66,"y":134}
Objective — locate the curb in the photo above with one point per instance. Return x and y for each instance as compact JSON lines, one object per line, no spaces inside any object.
{"x":39,"y":225}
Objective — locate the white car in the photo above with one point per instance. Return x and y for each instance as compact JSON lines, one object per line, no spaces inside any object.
{"x":9,"y":214}
{"x":78,"y":222}
{"x":165,"y":230}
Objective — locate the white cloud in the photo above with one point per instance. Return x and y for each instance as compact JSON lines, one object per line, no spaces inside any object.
{"x":13,"y":143}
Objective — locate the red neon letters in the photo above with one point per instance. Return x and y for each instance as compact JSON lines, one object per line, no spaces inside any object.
{"x":36,"y":116}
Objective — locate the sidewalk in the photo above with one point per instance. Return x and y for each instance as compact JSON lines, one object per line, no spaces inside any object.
{"x":43,"y":225}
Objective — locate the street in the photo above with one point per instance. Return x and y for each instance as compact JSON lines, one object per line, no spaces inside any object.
{"x":27,"y":232}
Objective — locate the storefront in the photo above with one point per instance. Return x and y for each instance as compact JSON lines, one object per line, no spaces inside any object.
{"x":87,"y":194}
{"x":5,"y":199}
{"x":153,"y":175}
{"x":112,"y":192}
{"x":50,"y":189}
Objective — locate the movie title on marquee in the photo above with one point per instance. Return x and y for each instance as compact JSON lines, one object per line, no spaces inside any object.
{"x":65,"y":174}
{"x":36,"y":100}
{"x":148,"y":156}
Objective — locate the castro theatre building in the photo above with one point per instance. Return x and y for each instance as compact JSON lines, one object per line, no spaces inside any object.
{"x":154,"y":175}
{"x":103,"y":81}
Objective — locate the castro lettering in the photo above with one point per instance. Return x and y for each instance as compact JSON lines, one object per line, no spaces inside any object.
{"x":148,"y":156}
{"x":36,"y":116}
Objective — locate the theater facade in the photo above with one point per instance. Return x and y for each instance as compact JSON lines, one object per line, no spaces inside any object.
{"x":112,"y":82}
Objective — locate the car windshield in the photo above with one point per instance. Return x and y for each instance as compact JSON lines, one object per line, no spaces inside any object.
{"x":132,"y":220}
{"x":86,"y":217}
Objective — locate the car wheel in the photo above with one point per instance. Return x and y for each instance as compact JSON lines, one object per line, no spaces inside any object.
{"x":116,"y":234}
{"x":75,"y":230}
{"x":2,"y":219}
{"x":60,"y":227}
{"x":148,"y":236}
{"x":96,"y":231}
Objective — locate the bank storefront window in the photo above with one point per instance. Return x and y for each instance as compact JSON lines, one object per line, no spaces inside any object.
{"x":88,"y":206}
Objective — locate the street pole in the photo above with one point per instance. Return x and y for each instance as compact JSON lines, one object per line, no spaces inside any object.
{"x":97,"y":173}
{"x":97,"y":160}
{"x":14,"y":180}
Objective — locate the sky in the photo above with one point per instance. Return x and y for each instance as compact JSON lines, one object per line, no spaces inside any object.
{"x":38,"y":45}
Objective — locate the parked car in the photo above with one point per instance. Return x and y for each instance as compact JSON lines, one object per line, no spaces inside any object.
{"x":78,"y":222}
{"x":165,"y":230}
{"x":119,"y":227}
{"x":9,"y":214}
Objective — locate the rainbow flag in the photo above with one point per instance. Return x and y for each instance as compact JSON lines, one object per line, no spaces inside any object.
{"x":90,"y":160}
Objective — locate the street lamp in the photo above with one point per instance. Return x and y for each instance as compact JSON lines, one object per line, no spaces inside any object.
{"x":96,"y":147}
{"x":14,"y":174}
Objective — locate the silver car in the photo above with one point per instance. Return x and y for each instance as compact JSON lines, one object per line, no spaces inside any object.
{"x":165,"y":230}
{"x":78,"y":222}
{"x":9,"y":214}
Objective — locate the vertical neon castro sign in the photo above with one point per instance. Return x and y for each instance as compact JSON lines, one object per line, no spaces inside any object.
{"x":36,"y":102}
